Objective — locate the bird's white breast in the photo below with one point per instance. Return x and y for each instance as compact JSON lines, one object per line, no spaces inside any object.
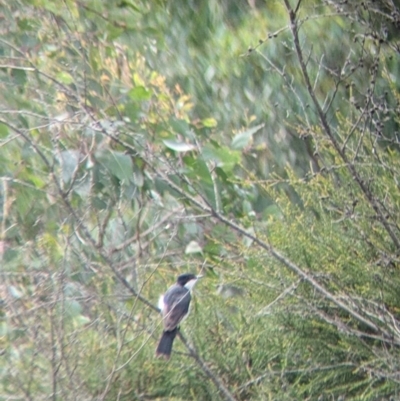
{"x":161,"y":304}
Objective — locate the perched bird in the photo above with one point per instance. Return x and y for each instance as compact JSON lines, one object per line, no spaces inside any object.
{"x":174,"y":305}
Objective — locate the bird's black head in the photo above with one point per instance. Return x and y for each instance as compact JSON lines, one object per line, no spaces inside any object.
{"x":183,"y":279}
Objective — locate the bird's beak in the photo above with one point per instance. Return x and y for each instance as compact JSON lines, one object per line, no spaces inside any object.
{"x":199,"y":276}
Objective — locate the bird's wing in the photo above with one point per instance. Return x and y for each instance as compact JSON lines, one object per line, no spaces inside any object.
{"x":176,"y":306}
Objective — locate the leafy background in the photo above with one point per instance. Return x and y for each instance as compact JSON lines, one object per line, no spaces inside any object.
{"x":254,"y":142}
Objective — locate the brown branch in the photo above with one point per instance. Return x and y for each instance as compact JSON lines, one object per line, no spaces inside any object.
{"x":218,"y":383}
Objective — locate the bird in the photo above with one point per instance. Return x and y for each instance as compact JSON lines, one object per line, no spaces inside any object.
{"x":174,"y":306}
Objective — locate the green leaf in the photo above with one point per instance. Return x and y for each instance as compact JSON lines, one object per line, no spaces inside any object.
{"x":114,"y":32}
{"x":140,"y":93}
{"x":98,"y":203}
{"x":81,"y":320}
{"x":198,"y":168}
{"x":69,"y":160}
{"x":119,"y":164}
{"x":178,"y":146}
{"x":8,"y":254}
{"x":25,"y":24}
{"x":4,"y":329}
{"x":224,"y":157}
{"x":274,"y":211}
{"x":138,"y":178}
{"x":132,"y":110}
{"x":241,"y":140}
{"x":19,"y":76}
{"x":3,"y":130}
{"x":73,"y":308}
{"x":37,"y":181}
{"x":181,"y":127}
{"x":65,"y":78}
{"x":51,"y":6}
{"x":130,"y":4}
{"x":209,"y":122}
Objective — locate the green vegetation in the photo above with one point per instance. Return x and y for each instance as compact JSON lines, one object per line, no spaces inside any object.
{"x":255,"y":142}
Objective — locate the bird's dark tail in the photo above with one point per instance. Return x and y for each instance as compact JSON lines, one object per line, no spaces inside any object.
{"x":164,"y":347}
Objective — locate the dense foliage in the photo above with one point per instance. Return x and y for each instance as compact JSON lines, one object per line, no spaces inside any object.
{"x":254,"y":142}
